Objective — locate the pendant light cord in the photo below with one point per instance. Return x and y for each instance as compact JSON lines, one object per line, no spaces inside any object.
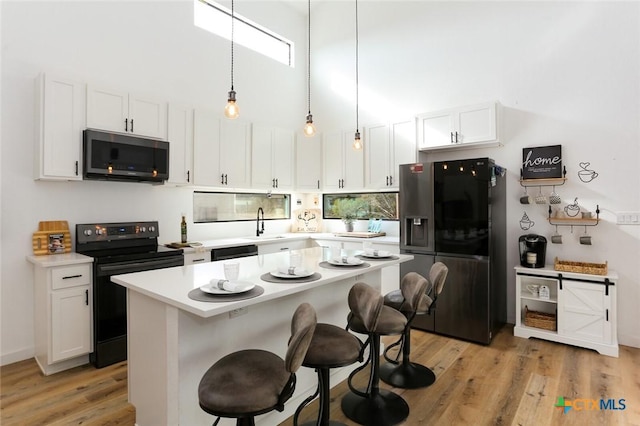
{"x":357,"y":85}
{"x":232,"y":28}
{"x":309,"y":57}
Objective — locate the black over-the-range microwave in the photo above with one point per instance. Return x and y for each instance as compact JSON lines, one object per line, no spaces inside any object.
{"x":113,"y":156}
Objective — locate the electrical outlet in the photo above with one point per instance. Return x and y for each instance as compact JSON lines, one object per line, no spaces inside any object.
{"x":628,"y":218}
{"x":238,"y":312}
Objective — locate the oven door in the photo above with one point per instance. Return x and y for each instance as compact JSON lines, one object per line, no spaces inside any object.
{"x":110,"y":307}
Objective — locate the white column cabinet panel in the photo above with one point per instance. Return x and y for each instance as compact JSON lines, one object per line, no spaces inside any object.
{"x":60,"y":122}
{"x":235,"y":153}
{"x":387,"y":146}
{"x":308,"y":163}
{"x":206,"y":148}
{"x":180,"y":137}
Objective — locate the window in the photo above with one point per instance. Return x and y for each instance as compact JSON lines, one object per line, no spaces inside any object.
{"x":380,"y":205}
{"x":226,"y":206}
{"x":216,"y":19}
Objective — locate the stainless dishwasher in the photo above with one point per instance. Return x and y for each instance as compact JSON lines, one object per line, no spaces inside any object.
{"x":234,"y":252}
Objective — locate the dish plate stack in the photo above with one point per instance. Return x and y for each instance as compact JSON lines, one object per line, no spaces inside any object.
{"x":52,"y":237}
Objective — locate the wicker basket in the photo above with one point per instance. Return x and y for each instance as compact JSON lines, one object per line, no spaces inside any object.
{"x":539,"y":319}
{"x":580,"y":267}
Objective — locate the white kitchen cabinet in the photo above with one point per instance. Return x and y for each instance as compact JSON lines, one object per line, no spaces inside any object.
{"x":275,"y":247}
{"x":222,"y":151}
{"x":468,"y":126}
{"x":180,"y":137}
{"x":60,"y":122}
{"x":123,"y":112}
{"x":387,"y":146}
{"x":197,"y":257}
{"x":62,"y":306}
{"x":343,"y":167}
{"x":272,"y":158}
{"x":584,"y":306}
{"x":308,"y":163}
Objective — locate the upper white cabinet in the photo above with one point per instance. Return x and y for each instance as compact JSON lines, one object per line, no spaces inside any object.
{"x":60,"y":122}
{"x":272,"y":157}
{"x":463,"y":126}
{"x":308,"y":163}
{"x":119,"y":111}
{"x":222,"y":151}
{"x":387,"y":146}
{"x":180,"y":137}
{"x":343,"y":166}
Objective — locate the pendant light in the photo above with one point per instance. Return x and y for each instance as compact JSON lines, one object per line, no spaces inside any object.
{"x":357,"y":142}
{"x":309,"y":128}
{"x":232,"y":111}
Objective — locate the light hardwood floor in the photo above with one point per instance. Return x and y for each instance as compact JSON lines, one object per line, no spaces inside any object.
{"x":513,"y":381}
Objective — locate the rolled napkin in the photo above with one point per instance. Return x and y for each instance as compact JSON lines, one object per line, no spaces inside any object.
{"x":228,"y":285}
{"x":376,"y":253}
{"x":292,"y":270}
{"x":347,"y":260}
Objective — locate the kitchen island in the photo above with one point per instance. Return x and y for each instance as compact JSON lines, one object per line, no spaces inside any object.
{"x":173,"y":340}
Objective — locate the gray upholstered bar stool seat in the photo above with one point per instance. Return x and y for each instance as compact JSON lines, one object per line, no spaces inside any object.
{"x":331,"y":347}
{"x":247,"y":383}
{"x":374,"y":406}
{"x":407,"y":374}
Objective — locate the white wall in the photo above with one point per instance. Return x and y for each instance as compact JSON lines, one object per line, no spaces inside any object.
{"x":148,"y":47}
{"x":566,"y":73}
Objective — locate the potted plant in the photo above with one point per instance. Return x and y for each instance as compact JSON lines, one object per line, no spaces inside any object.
{"x":348,"y":210}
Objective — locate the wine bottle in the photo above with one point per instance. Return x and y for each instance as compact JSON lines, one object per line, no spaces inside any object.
{"x":183,"y":230}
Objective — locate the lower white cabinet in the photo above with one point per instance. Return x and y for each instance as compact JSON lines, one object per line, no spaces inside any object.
{"x":197,"y":257}
{"x":63,"y":320}
{"x":275,"y":247}
{"x":584,"y":307}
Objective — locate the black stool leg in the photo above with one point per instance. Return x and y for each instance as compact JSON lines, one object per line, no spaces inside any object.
{"x":324,"y":401}
{"x":381,"y":407}
{"x":407,"y":375}
{"x":246,"y":421}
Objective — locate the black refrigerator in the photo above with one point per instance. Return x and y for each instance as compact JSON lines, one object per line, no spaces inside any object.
{"x":454,"y":212}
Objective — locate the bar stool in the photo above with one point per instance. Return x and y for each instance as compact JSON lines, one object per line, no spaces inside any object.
{"x":407,"y":374}
{"x":247,"y":383}
{"x":374,"y":406}
{"x":331,"y":347}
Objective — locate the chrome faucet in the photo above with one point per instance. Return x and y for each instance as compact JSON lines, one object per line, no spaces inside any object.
{"x":258,"y":229}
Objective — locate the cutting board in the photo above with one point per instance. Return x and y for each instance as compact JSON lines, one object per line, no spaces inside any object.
{"x":360,"y":234}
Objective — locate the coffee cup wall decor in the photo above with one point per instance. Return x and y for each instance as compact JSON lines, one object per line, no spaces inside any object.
{"x":585,"y":174}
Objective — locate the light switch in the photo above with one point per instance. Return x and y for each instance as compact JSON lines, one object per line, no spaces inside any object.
{"x":628,"y":218}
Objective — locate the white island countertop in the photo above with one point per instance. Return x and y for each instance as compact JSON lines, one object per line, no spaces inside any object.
{"x":172,"y":285}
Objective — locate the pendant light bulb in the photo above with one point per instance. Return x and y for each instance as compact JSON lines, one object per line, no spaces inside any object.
{"x":231,"y":110}
{"x":357,"y":142}
{"x":309,"y":128}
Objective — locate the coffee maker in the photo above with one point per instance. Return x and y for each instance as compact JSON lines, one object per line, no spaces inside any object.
{"x":533,"y":249}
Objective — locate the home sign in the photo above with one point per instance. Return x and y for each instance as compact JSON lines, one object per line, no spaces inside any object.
{"x":542,"y":162}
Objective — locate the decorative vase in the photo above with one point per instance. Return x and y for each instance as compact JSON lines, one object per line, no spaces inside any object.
{"x":348,"y":226}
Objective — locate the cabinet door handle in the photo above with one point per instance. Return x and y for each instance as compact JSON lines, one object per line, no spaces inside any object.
{"x":273,"y":183}
{"x":198,"y":260}
{"x":188,"y":176}
{"x":86,"y":297}
{"x":276,"y":182}
{"x":390,"y":180}
{"x":126,"y":124}
{"x":69,"y":277}
{"x":132,"y":125}
{"x":222,"y":179}
{"x":76,"y":168}
{"x":451,"y":133}
{"x":387,"y":180}
{"x":607,"y":314}
{"x":132,"y":131}
{"x":318,"y":183}
{"x":225,"y":179}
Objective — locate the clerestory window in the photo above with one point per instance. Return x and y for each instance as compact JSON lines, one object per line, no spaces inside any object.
{"x":216,"y":19}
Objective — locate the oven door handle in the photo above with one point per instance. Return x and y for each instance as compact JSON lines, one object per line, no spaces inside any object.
{"x":126,"y":267}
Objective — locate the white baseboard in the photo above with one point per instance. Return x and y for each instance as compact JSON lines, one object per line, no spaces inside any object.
{"x":21,"y":355}
{"x":629,"y":340}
